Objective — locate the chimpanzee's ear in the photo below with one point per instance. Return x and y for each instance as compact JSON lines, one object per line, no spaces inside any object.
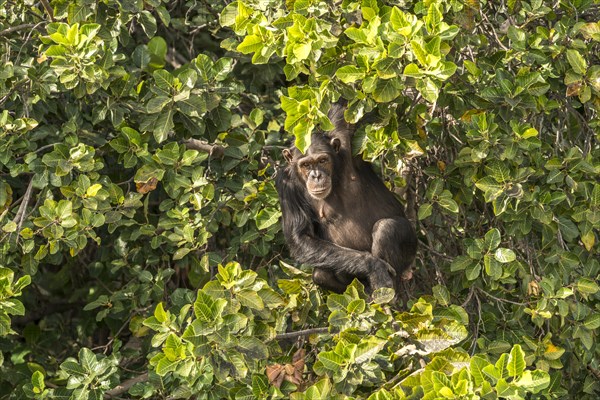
{"x":287,"y":154}
{"x":336,"y":143}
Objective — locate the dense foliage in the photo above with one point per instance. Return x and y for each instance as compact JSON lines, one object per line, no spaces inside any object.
{"x":140,"y":246}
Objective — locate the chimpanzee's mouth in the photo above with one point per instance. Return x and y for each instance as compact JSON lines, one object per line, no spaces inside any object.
{"x":320,"y":193}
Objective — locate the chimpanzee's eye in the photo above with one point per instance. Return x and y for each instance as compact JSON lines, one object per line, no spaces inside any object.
{"x":323,"y":160}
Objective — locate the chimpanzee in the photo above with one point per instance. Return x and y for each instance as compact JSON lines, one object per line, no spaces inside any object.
{"x":339,"y":217}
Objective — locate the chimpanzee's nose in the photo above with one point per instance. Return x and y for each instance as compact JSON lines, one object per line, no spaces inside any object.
{"x":315,"y":174}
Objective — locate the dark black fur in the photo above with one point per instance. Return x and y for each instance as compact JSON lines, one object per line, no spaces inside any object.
{"x":359,"y":230}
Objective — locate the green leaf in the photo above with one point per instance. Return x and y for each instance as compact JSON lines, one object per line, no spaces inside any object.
{"x":88,"y":361}
{"x":331,"y":360}
{"x":349,"y":74}
{"x":93,"y":190}
{"x":461,"y":262}
{"x":433,"y":18}
{"x":492,"y":239}
{"x":148,"y":172}
{"x":337,"y":302}
{"x":592,"y":321}
{"x":250,"y":44}
{"x":505,"y":255}
{"x":576,"y":61}
{"x":73,"y":368}
{"x":302,"y":51}
{"x":253,"y":348}
{"x":368,"y":349}
{"x":251,"y":299}
{"x":477,"y":365}
{"x":356,"y":306}
{"x":164,"y":125}
{"x":157,"y":46}
{"x":533,"y":381}
{"x":595,"y":197}
{"x":37,"y":380}
{"x":12,"y":306}
{"x":180,"y":253}
{"x":413,"y":70}
{"x":553,"y":352}
{"x":419,"y":52}
{"x":472,"y":271}
{"x":160,"y":314}
{"x":267,"y":217}
{"x":206,"y":308}
{"x":382,"y":295}
{"x":425,"y":211}
{"x":499,"y":171}
{"x":148,"y":23}
{"x":587,"y":286}
{"x":387,"y":90}
{"x":428,"y":89}
{"x":448,"y":204}
{"x":156,"y":104}
{"x":10,"y":226}
{"x":442,"y":294}
{"x":165,"y":366}
{"x":445,"y":70}
{"x":490,"y":186}
{"x":568,"y":228}
{"x":164,"y":80}
{"x":358,"y":35}
{"x":516,"y":361}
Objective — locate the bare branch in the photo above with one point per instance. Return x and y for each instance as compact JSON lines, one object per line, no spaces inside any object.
{"x":20,"y":216}
{"x":502,"y":300}
{"x":214,"y":150}
{"x":48,"y":9}
{"x":16,"y":28}
{"x":306,"y":332}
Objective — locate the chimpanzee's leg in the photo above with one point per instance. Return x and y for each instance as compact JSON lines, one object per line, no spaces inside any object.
{"x":395,"y":242}
{"x":330,"y":280}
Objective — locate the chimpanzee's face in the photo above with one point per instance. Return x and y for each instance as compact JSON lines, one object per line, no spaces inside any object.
{"x":315,"y":168}
{"x":316,"y":171}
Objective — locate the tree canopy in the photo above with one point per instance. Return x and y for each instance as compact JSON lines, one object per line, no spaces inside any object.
{"x":141,"y":253}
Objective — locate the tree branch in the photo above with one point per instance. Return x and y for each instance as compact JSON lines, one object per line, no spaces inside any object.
{"x":48,"y":9}
{"x":125,"y":386}
{"x":16,"y":28}
{"x":306,"y":332}
{"x":20,"y":217}
{"x":214,"y":150}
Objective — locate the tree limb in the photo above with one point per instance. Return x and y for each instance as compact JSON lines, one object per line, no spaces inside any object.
{"x":214,"y":150}
{"x":16,"y":28}
{"x":48,"y":9}
{"x":125,"y":386}
{"x":306,"y":332}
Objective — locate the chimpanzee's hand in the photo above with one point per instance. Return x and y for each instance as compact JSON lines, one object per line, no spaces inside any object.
{"x":380,"y":274}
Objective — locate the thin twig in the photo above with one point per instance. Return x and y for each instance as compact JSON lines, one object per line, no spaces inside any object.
{"x":502,"y":300}
{"x":468,"y":299}
{"x":45,"y":147}
{"x":434,"y":252}
{"x":491,"y":27}
{"x":20,"y":216}
{"x":306,"y":332}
